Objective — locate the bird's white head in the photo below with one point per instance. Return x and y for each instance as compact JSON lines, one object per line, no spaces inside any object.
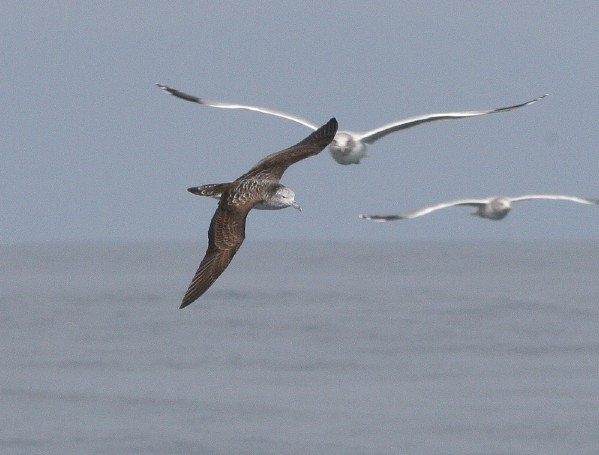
{"x":281,"y":198}
{"x":497,"y":208}
{"x":347,"y":149}
{"x":504,"y":203}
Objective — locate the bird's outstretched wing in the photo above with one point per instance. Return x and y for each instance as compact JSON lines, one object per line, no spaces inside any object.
{"x":225,"y":236}
{"x":225,"y":105}
{"x":425,"y":210}
{"x":559,"y":197}
{"x":276,"y":163}
{"x":374,"y":135}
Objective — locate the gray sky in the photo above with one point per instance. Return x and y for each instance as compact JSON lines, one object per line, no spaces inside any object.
{"x":92,"y":150}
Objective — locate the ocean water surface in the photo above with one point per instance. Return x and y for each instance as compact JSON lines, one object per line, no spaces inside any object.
{"x":336,"y":348}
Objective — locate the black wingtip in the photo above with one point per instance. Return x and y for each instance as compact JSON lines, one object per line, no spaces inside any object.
{"x":332,"y":123}
{"x":178,"y":94}
{"x":328,"y":129}
{"x":186,"y":302}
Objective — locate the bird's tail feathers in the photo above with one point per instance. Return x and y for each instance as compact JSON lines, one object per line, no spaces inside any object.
{"x":210,"y":190}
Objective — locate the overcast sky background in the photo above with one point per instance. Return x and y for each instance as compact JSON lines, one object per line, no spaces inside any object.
{"x":92,"y":150}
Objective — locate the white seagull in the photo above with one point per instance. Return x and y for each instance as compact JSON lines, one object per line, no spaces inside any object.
{"x":491,"y":208}
{"x":349,"y":147}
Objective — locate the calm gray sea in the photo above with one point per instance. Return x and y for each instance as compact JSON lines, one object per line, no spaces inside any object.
{"x":308,"y":348}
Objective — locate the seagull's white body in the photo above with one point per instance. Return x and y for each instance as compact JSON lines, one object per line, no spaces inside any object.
{"x":491,"y":208}
{"x":348,"y":147}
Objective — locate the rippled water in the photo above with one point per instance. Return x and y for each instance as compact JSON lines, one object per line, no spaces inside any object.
{"x":348,"y":348}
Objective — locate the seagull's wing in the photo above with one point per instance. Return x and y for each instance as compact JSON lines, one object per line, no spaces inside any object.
{"x":560,"y":197}
{"x":225,"y":236}
{"x":425,"y":210}
{"x":374,"y":135}
{"x":224,"y":105}
{"x":276,"y":163}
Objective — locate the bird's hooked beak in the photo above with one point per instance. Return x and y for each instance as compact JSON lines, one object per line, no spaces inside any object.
{"x":295,"y":205}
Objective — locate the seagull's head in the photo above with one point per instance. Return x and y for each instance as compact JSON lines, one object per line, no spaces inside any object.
{"x":498,"y":208}
{"x":346,"y":149}
{"x":282,"y":198}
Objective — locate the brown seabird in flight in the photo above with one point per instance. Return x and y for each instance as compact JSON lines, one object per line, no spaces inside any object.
{"x":258,"y":188}
{"x":349,"y":147}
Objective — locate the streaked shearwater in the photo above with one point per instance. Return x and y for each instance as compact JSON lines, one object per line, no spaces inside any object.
{"x":349,"y":147}
{"x":257,"y":188}
{"x":491,"y":208}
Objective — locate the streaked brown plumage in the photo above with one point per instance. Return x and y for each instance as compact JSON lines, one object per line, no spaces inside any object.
{"x":258,"y":188}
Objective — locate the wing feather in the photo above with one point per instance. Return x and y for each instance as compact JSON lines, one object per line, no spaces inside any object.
{"x":369,"y":137}
{"x":225,"y":105}
{"x":276,"y":163}
{"x":425,"y":210}
{"x":560,"y":197}
{"x":225,"y":236}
